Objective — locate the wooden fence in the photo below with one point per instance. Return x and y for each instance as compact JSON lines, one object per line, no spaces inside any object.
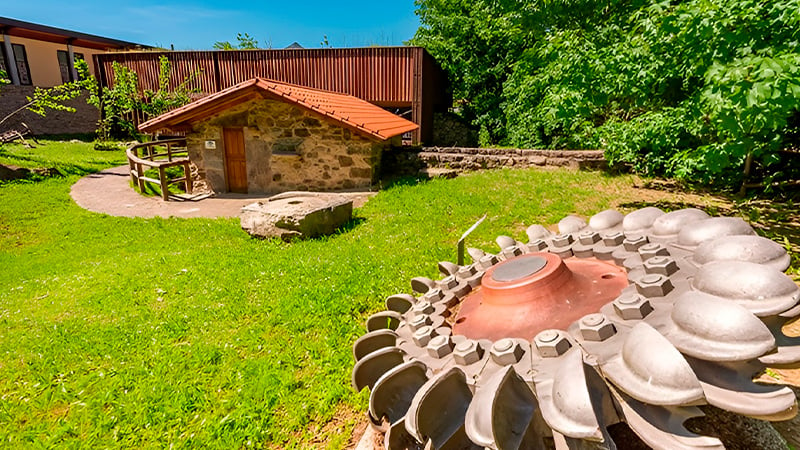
{"x":160,"y":155}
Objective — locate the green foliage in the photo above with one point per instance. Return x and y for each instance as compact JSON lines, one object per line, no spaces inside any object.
{"x":476,"y":42}
{"x":721,"y":78}
{"x":120,"y":104}
{"x":4,"y":78}
{"x":245,"y":42}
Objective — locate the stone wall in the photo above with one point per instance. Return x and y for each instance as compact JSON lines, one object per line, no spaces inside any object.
{"x":83,"y":120}
{"x":450,"y":130}
{"x":413,"y":161}
{"x":287,"y":148}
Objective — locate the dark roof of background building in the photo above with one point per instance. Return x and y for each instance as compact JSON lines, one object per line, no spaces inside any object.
{"x":294,"y":46}
{"x":13,"y":27}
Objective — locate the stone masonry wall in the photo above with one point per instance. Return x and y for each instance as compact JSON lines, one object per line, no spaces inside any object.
{"x":83,"y":120}
{"x":287,"y":148}
{"x":413,"y":161}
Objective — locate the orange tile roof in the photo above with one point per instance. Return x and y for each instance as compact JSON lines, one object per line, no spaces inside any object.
{"x":350,"y":111}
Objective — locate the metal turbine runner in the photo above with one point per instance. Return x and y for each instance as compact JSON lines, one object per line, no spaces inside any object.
{"x":636,"y":318}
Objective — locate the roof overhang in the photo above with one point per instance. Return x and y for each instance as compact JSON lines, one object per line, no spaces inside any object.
{"x":19,"y":28}
{"x":353,"y":113}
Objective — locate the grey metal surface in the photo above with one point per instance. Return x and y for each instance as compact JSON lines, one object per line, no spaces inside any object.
{"x":703,"y":312}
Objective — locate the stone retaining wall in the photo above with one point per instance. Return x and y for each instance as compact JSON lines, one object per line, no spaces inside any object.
{"x":83,"y":120}
{"x":410,"y":161}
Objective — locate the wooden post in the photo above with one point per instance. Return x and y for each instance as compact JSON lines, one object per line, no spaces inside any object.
{"x":169,"y":151}
{"x":162,"y":179}
{"x":187,"y":174}
{"x":140,"y":174}
{"x":131,"y":168}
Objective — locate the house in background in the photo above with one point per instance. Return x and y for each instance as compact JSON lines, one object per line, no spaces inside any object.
{"x":264,"y":136}
{"x":43,"y":56}
{"x":34,"y":55}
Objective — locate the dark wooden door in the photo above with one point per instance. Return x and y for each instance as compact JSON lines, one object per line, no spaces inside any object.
{"x":235,"y":161}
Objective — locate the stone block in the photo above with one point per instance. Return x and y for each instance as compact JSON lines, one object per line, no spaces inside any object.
{"x":296,"y":215}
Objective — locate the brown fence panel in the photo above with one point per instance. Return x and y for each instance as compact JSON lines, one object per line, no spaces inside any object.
{"x":382,"y":75}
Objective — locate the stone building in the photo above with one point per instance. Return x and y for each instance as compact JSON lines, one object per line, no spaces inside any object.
{"x":263,"y":136}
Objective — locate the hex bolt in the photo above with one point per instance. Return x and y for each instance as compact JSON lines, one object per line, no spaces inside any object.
{"x":422,"y":307}
{"x":613,"y":239}
{"x":419,"y":321}
{"x":466,"y":272}
{"x":440,"y":346}
{"x":448,"y":282}
{"x":632,"y":243}
{"x":506,"y":352}
{"x":434,"y":295}
{"x":551,"y":343}
{"x":563,"y":240}
{"x":632,"y":306}
{"x":487,"y":261}
{"x":654,"y":285}
{"x":537,"y":245}
{"x":648,"y":251}
{"x":424,"y":335}
{"x":661,"y":264}
{"x":595,"y":327}
{"x":468,"y":352}
{"x":512,"y":252}
{"x":589,"y":237}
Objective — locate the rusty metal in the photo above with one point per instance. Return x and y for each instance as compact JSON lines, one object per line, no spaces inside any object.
{"x":533,"y":344}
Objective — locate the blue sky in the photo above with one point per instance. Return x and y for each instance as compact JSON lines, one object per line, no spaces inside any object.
{"x":197,"y":25}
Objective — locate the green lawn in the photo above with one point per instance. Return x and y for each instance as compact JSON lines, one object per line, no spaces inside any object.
{"x":118,"y":332}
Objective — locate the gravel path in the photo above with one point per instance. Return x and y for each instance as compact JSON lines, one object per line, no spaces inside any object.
{"x":110,"y":192}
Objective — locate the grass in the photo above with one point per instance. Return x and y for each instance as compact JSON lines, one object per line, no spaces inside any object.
{"x":118,"y":332}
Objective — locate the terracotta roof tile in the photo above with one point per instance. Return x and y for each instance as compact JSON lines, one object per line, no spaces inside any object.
{"x":350,"y":111}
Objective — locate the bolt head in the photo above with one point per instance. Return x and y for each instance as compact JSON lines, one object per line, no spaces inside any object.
{"x":537,"y":245}
{"x":423,"y":307}
{"x":468,"y":352}
{"x":424,"y":335}
{"x":613,"y":239}
{"x":632,"y":306}
{"x":419,"y":321}
{"x":595,"y":327}
{"x":506,"y":352}
{"x":648,"y":251}
{"x":511,"y":252}
{"x":448,"y":282}
{"x":487,"y":261}
{"x":589,"y":237}
{"x":654,"y":285}
{"x":552,"y":343}
{"x":466,"y":272}
{"x":663,"y":265}
{"x":440,"y":346}
{"x":632,"y":243}
{"x":563,"y":240}
{"x":433,"y":295}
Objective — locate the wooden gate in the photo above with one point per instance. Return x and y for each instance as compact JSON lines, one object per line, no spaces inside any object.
{"x":235,"y":160}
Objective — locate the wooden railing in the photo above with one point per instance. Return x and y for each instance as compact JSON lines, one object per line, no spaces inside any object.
{"x":160,"y":155}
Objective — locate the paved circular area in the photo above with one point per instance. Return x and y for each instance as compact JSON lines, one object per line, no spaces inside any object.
{"x":110,"y":192}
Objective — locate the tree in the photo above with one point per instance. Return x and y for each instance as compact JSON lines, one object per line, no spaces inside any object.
{"x":477,"y":42}
{"x":246,"y":42}
{"x":119,"y":104}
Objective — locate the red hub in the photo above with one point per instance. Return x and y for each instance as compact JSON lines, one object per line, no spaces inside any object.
{"x":524,"y":295}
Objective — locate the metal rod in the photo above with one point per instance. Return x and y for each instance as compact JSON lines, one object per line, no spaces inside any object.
{"x":463,"y":237}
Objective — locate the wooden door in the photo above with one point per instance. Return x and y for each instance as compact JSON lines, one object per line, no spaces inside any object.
{"x":235,"y":161}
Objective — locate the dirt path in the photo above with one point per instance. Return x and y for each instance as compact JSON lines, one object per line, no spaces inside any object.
{"x":109,"y":192}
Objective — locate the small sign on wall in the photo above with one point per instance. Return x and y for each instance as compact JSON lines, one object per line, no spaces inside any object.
{"x":211,"y":145}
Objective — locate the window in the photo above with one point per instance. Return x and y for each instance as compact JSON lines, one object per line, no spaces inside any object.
{"x":3,"y":66}
{"x":63,"y":65}
{"x":21,"y":60}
